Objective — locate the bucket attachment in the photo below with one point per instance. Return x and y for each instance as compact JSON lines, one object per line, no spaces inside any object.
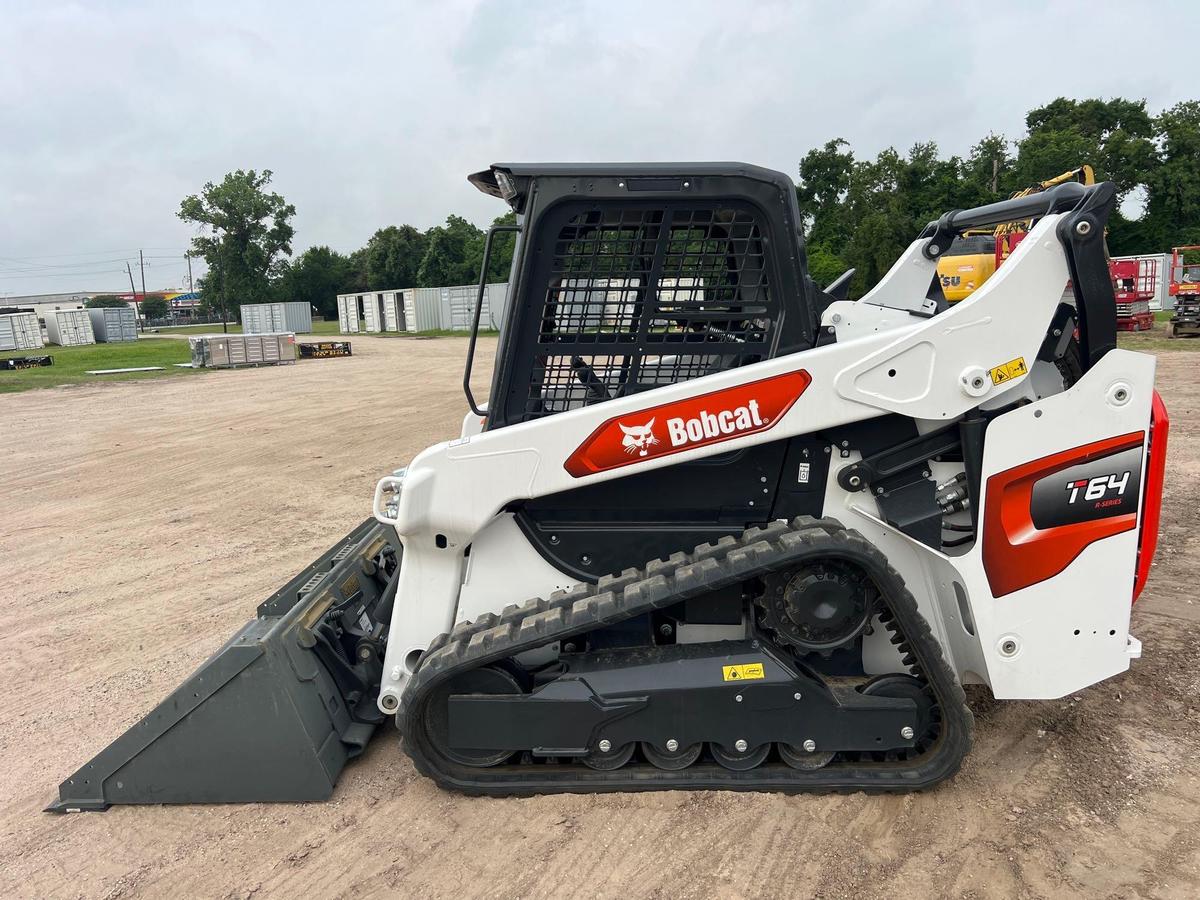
{"x":275,"y":714}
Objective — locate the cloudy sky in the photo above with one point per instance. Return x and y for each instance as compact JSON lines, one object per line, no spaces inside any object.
{"x":373,"y":114}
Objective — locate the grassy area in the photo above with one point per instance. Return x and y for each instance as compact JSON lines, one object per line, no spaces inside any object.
{"x":210,"y":328}
{"x":1156,"y":340}
{"x":321,"y":329}
{"x":72,"y":363}
{"x":435,"y":332}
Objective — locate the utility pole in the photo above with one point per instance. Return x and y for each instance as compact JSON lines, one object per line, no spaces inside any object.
{"x":137,"y":318}
{"x":191,"y":284}
{"x":224,"y":276}
{"x":142,"y":266}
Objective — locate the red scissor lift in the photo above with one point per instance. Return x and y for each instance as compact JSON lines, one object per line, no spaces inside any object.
{"x":1134,"y":284}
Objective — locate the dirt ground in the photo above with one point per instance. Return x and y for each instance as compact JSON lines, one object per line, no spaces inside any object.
{"x":140,"y":524}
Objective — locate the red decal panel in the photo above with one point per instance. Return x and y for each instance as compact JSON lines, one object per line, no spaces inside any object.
{"x":686,"y":424}
{"x":1160,"y":425}
{"x":1016,"y":553}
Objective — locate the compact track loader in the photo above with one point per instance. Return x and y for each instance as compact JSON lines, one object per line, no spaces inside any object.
{"x":715,"y":527}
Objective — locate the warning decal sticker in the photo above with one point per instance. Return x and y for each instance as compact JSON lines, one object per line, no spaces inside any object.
{"x":1014,"y":368}
{"x":744,"y":672}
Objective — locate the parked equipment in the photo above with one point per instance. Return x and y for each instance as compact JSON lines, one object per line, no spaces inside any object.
{"x":69,"y":327}
{"x":13,"y":363}
{"x":1185,"y":288}
{"x":1134,"y":284}
{"x":324,"y":349}
{"x":973,"y":257}
{"x":773,"y":531}
{"x":20,"y":331}
{"x":113,"y":323}
{"x":226,"y":351}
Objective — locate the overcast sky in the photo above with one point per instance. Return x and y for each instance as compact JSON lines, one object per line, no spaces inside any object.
{"x":373,"y":114}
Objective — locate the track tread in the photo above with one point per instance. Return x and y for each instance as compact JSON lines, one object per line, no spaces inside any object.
{"x":661,"y":583}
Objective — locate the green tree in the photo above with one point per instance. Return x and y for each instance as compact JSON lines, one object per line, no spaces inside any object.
{"x":316,"y":277}
{"x":824,"y":266}
{"x":251,"y":232}
{"x":357,"y":281}
{"x":453,"y":255}
{"x":503,"y":245}
{"x":155,"y":306}
{"x":1173,"y":183}
{"x":825,"y":176}
{"x":988,"y":169}
{"x":101,"y":301}
{"x":393,"y":257}
{"x":1114,"y":136}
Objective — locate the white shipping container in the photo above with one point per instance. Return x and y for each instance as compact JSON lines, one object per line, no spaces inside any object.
{"x":497,"y":304}
{"x":373,"y":315}
{"x":348,"y":314}
{"x":69,"y":327}
{"x":458,"y":306}
{"x":459,"y":301}
{"x":110,"y":324}
{"x":20,"y":331}
{"x":273,"y":318}
{"x":422,"y":309}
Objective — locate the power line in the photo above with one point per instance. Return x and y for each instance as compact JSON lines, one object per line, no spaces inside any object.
{"x":65,"y":274}
{"x":34,"y":270}
{"x":130,"y":250}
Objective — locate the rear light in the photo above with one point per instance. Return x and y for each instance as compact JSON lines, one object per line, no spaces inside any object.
{"x":1156,"y":462}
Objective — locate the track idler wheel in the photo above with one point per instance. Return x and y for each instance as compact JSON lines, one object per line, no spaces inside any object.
{"x":488,"y":680}
{"x":804,"y":760}
{"x":740,"y":760}
{"x":671,"y":760}
{"x":613,"y":758}
{"x":905,"y":687}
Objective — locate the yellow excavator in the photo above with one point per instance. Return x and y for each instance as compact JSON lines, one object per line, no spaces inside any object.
{"x":973,"y":258}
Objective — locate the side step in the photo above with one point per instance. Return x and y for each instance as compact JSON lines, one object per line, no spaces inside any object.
{"x":276,"y":713}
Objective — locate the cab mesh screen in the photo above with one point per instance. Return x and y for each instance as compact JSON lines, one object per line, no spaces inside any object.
{"x":639,"y":296}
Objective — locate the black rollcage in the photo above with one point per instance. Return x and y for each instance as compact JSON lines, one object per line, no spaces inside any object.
{"x":617,"y":283}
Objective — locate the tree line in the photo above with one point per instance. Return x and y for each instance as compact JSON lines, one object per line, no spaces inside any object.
{"x":856,"y":213}
{"x":246,"y":236}
{"x":862,"y":213}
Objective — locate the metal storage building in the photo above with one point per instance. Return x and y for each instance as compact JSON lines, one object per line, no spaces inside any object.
{"x":112,"y":324}
{"x":69,"y":327}
{"x":276,"y":318}
{"x":20,"y":331}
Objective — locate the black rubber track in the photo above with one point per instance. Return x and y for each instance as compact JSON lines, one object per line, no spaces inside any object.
{"x":661,"y":583}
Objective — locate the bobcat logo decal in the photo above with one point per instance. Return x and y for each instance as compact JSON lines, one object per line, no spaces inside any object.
{"x":638,"y":438}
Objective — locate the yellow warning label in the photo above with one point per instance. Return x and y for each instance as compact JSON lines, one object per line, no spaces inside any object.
{"x":1014,"y":368}
{"x":744,"y":672}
